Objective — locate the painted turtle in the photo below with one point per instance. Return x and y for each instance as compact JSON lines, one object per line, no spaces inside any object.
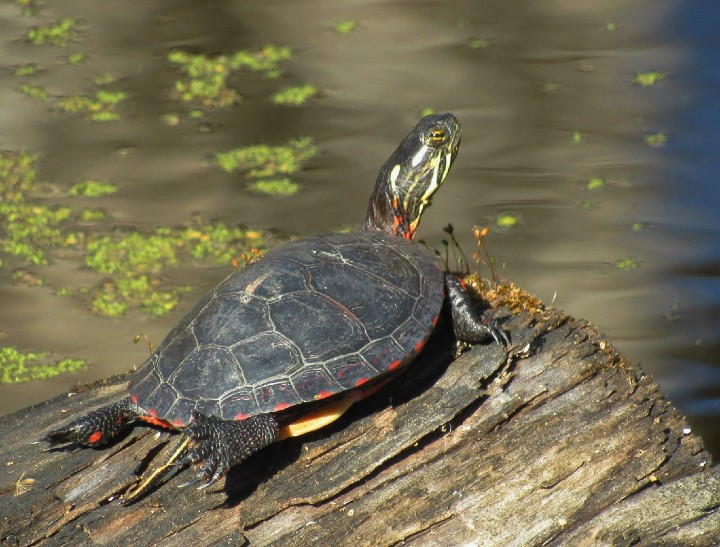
{"x":287,"y":344}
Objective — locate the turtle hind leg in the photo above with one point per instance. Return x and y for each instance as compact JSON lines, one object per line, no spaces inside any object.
{"x":97,"y":427}
{"x":467,"y":325}
{"x":216,"y":444}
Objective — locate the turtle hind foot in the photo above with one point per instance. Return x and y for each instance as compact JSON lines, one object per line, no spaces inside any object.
{"x":215,"y":445}
{"x":95,"y":428}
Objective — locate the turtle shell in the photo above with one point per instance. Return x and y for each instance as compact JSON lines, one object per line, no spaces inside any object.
{"x":310,"y":319}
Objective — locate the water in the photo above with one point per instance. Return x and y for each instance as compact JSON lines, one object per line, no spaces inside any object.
{"x":522,"y":77}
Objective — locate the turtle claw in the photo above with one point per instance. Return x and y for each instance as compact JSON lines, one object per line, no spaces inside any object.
{"x":191,"y":482}
{"x":498,"y":334}
{"x":215,"y":445}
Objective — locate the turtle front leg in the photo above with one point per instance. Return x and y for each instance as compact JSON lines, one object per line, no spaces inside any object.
{"x":467,"y":325}
{"x":216,"y":444}
{"x":97,"y":427}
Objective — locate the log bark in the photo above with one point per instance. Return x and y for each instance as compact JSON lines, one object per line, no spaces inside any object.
{"x":561,"y":442}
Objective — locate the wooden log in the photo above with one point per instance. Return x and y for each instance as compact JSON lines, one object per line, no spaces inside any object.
{"x":560,"y":442}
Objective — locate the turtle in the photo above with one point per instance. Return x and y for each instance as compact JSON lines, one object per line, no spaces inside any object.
{"x":286,"y":344}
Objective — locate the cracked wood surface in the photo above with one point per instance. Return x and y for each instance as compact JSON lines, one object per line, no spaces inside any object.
{"x":563,"y":442}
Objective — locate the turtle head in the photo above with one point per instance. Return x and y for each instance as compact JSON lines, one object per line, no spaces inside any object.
{"x":412,"y":175}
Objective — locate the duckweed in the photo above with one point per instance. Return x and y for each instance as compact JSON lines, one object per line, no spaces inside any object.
{"x":595,"y":183}
{"x":480,"y":43}
{"x":57,"y":35}
{"x":100,"y":108}
{"x":92,"y":189}
{"x":76,"y":58}
{"x":506,"y":220}
{"x":26,"y":228}
{"x":261,"y":161}
{"x":17,"y":367}
{"x":646,"y":79}
{"x":294,"y":96}
{"x":626,"y":264}
{"x":136,"y":261}
{"x":275,"y":187}
{"x":25,"y":70}
{"x":656,"y":140}
{"x":133,"y":263}
{"x":345,"y":27}
{"x":206,"y":78}
{"x":35,"y":91}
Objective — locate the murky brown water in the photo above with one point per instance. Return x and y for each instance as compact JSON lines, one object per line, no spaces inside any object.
{"x":549,"y":69}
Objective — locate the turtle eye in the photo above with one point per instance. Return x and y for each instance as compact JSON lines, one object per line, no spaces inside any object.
{"x":436,"y":137}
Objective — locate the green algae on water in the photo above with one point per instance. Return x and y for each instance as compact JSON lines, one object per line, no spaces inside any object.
{"x":267,"y":161}
{"x":27,"y":229}
{"x":92,"y":189}
{"x":57,"y":35}
{"x":506,"y":220}
{"x":17,"y":367}
{"x":345,"y":27}
{"x":206,"y":77}
{"x":102,"y":107}
{"x":275,"y":187}
{"x":647,"y":79}
{"x":295,"y":95}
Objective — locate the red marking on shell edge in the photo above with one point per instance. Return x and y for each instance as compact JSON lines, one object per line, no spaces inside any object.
{"x":395,"y":364}
{"x":95,"y":437}
{"x":151,"y":418}
{"x":324,"y":394}
{"x":281,"y":406}
{"x":241,"y":416}
{"x":419,"y":346}
{"x":361,"y":381}
{"x":435,"y":320}
{"x":177,"y":422}
{"x":134,"y":398}
{"x":152,"y":412}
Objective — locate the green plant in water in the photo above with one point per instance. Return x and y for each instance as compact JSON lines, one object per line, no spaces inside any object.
{"x":17,"y":367}
{"x":646,"y":79}
{"x":76,"y":58}
{"x":25,"y":70}
{"x":294,"y":96}
{"x":92,"y":189}
{"x":57,"y":35}
{"x":656,"y":140}
{"x":100,"y":108}
{"x":261,"y":161}
{"x":35,"y":91}
{"x":626,"y":264}
{"x":275,"y":187}
{"x":595,"y":183}
{"x":345,"y":27}
{"x":206,"y":78}
{"x":136,"y":261}
{"x":506,"y":220}
{"x":27,"y":228}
